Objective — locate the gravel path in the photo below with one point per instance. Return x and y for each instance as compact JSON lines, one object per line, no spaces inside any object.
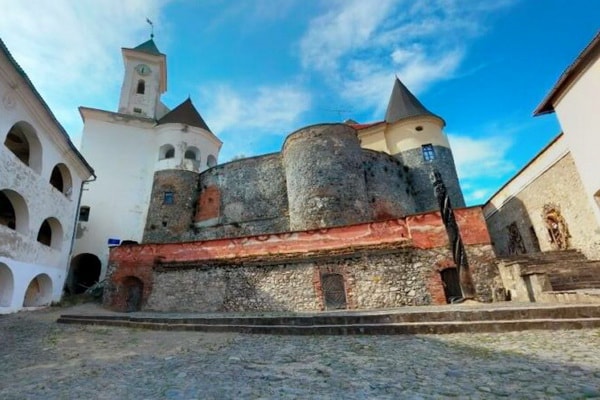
{"x":40,"y":359}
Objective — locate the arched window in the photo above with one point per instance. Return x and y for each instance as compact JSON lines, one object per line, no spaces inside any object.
{"x":211,"y":161}
{"x":50,"y":233}
{"x":141,"y":87}
{"x":39,"y":291}
{"x":7,"y":284}
{"x":23,"y":142}
{"x":45,"y":234}
{"x":192,"y":153}
{"x":61,"y":179}
{"x":13,"y":211}
{"x":166,"y":151}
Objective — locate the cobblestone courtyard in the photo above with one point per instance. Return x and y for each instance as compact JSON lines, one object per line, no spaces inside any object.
{"x":40,"y":359}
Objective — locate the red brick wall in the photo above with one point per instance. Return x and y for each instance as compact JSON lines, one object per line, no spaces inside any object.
{"x":423,"y":231}
{"x":209,"y":204}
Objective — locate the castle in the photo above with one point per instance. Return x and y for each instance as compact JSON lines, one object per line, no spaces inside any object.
{"x":293,"y":220}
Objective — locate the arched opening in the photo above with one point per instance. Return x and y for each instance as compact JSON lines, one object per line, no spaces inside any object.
{"x":211,"y":161}
{"x":7,"y":284}
{"x":8,"y":217}
{"x":50,"y":233}
{"x":39,"y":292}
{"x":133,"y":289}
{"x":141,"y":87}
{"x":166,"y":151}
{"x":13,"y":211}
{"x":23,"y":142}
{"x":84,"y":273}
{"x":61,"y":179}
{"x":334,"y":293}
{"x":45,"y":234}
{"x":451,"y":283}
{"x":192,"y":153}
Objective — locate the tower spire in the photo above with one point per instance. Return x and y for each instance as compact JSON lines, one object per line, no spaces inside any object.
{"x":151,"y":27}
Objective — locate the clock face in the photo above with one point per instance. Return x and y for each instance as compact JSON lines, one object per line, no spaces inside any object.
{"x":143,"y":69}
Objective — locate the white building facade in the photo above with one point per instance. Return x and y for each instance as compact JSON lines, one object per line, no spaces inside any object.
{"x":127,"y":148}
{"x":574,"y":98}
{"x":41,"y":176}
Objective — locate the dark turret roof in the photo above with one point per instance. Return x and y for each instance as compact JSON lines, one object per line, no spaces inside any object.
{"x":404,"y":104}
{"x":185,"y":113}
{"x":148,"y":47}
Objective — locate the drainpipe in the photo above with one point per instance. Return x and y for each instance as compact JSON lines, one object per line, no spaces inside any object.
{"x":75,"y":224}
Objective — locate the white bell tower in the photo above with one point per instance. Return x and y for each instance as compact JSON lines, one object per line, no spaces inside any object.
{"x":144,"y":82}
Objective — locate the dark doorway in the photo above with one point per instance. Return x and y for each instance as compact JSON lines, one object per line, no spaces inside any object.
{"x":7,"y":212}
{"x":451,"y":284}
{"x":85,"y":272}
{"x":334,"y":293}
{"x":133,"y":288}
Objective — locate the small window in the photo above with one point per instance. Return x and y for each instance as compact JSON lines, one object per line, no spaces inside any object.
{"x":170,"y":153}
{"x":84,"y":213}
{"x":137,"y":110}
{"x":428,"y":153}
{"x":168,"y":197}
{"x":211,"y":161}
{"x":190,"y":155}
{"x":141,"y":87}
{"x":419,"y":128}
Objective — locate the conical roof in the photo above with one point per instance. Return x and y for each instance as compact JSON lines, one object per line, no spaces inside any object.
{"x":185,"y":113}
{"x":404,"y":104}
{"x":148,"y":47}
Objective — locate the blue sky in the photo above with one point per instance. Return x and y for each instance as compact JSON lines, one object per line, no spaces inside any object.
{"x":258,"y":70}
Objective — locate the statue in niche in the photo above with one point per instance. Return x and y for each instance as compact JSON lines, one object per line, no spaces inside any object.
{"x":515,"y":241}
{"x":556,"y":227}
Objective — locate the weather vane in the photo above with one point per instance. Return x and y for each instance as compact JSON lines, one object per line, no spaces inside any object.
{"x":151,"y":26}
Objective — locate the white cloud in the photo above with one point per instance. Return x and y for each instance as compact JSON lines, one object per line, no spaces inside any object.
{"x":482,"y":163}
{"x":70,"y":49}
{"x":359,"y":46}
{"x":479,"y":157}
{"x":245,"y":120}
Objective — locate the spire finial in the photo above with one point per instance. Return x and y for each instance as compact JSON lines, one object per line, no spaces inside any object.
{"x":151,"y":27}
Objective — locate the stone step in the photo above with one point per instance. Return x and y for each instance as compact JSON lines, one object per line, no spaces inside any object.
{"x":440,"y":327}
{"x":455,"y":318}
{"x":412,"y":314}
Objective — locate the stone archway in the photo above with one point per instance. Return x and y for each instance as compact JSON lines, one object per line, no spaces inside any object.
{"x":133,"y":291}
{"x":84,"y":272}
{"x":39,"y":292}
{"x":7,"y":285}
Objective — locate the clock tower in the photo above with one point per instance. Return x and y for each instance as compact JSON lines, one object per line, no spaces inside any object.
{"x":145,"y":80}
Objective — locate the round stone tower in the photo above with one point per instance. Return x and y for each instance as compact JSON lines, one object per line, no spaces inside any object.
{"x":415,"y":137}
{"x":325,"y":177}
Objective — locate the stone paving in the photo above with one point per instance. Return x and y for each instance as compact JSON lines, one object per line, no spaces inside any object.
{"x":40,"y":359}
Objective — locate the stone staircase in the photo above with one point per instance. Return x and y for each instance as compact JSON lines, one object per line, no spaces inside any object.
{"x":555,"y":276}
{"x":494,"y":317}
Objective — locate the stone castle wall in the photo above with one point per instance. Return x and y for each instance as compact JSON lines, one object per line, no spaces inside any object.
{"x":560,"y":186}
{"x":420,"y":177}
{"x":240,"y":198}
{"x":383,"y":264}
{"x":389,"y":193}
{"x":325,"y":177}
{"x":168,"y":221}
{"x":322,"y":178}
